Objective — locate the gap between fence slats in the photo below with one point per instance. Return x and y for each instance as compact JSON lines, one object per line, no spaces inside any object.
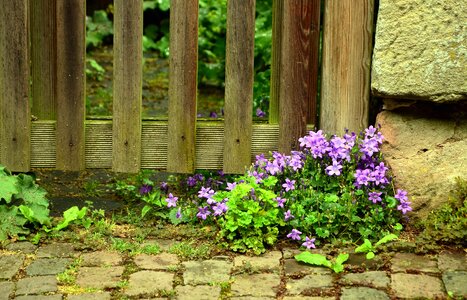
{"x":127,"y":85}
{"x":239,"y":77}
{"x":14,"y":85}
{"x":299,"y":58}
{"x":347,"y":44}
{"x":277,"y":18}
{"x":182,"y":85}
{"x":71,"y":84}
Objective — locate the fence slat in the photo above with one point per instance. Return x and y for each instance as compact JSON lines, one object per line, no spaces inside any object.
{"x":43,"y":54}
{"x":15,"y":117}
{"x":70,"y":84}
{"x":239,"y":77}
{"x":128,"y":85}
{"x":299,"y":65}
{"x":182,"y":85}
{"x":347,"y":42}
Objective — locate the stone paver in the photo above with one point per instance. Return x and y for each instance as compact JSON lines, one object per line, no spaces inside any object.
{"x":6,"y":288}
{"x":205,"y":292}
{"x":99,"y":277}
{"x":206,"y":272}
{"x":90,"y":296}
{"x":456,"y":282}
{"x":56,"y":250}
{"x":298,"y":286}
{"x":401,"y":262}
{"x":101,"y":259}
{"x":48,"y":266}
{"x":269,"y":261}
{"x":40,"y":297}
{"x":257,"y":285}
{"x":161,"y":261}
{"x":377,"y":279}
{"x":295,"y":268}
{"x":448,"y":261}
{"x":416,"y":286}
{"x":9,"y":265}
{"x":149,"y":282}
{"x":308,"y":298}
{"x":363,"y":293}
{"x":24,"y":247}
{"x":36,"y":285}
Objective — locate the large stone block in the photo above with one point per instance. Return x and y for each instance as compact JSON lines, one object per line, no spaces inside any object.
{"x":426,"y":150}
{"x":420,"y":50}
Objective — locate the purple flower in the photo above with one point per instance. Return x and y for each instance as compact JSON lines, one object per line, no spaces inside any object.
{"x":260,"y":113}
{"x":273,"y":168}
{"x":374,"y":197}
{"x":404,"y":207}
{"x":294,"y":235}
{"x":145,"y":189}
{"x":370,"y":131}
{"x":309,"y":243}
{"x":289,"y":185}
{"x":203,"y":212}
{"x":288,"y":215}
{"x":179,"y":213}
{"x":231,"y":186}
{"x":171,"y":200}
{"x":401,"y":195}
{"x":362,"y":177}
{"x":191,"y":181}
{"x":199,"y":177}
{"x":280,"y":201}
{"x":164,"y":186}
{"x":334,"y":169}
{"x":219,"y":208}
{"x":205,"y":193}
{"x":213,"y":114}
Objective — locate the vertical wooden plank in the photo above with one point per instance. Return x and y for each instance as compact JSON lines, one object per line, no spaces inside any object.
{"x":347,"y":44}
{"x":182,"y":85}
{"x":239,"y":77}
{"x":128,"y":85}
{"x":70,"y":84}
{"x":277,"y":19}
{"x":14,"y":85}
{"x":299,"y":65}
{"x":43,"y":58}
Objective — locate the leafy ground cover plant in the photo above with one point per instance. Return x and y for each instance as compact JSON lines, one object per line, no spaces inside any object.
{"x":337,"y":264}
{"x":23,"y":205}
{"x":370,"y":249}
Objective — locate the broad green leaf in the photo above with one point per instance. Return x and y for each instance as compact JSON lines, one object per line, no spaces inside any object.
{"x":8,"y":187}
{"x":370,"y":255}
{"x":27,"y":213}
{"x":12,"y":224}
{"x":337,"y":268}
{"x":145,"y":210}
{"x":386,"y":239}
{"x":365,"y":247}
{"x":313,"y":259}
{"x":341,"y":258}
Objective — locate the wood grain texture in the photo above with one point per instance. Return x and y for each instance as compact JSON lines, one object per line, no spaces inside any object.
{"x":239,"y":77}
{"x":299,"y":65}
{"x":345,"y":84}
{"x":128,"y":85}
{"x":182,"y":85}
{"x":71,"y":84}
{"x":14,"y":85}
{"x":277,"y":19}
{"x":43,"y":58}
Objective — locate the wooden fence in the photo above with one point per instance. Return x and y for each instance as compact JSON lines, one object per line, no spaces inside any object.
{"x":61,"y":137}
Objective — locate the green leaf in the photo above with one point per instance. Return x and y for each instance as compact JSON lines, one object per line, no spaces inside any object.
{"x":386,"y":239}
{"x":8,"y":187}
{"x":12,"y":224}
{"x":145,"y":210}
{"x":370,"y":255}
{"x":313,"y":259}
{"x":365,"y":247}
{"x":341,"y":258}
{"x":27,"y":213}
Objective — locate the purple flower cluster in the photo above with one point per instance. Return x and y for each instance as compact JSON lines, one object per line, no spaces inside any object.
{"x":214,"y":207}
{"x":404,"y":205}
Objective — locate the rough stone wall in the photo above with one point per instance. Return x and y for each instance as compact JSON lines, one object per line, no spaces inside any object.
{"x":421,"y":50}
{"x":419,"y":70}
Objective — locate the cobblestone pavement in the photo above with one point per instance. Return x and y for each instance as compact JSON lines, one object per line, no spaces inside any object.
{"x":28,"y":272}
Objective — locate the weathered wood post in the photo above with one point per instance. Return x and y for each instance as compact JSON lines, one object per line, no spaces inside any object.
{"x":182,"y":85}
{"x":14,"y":85}
{"x":71,"y":84}
{"x":239,"y":76}
{"x":345,"y":84}
{"x":127,"y":85}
